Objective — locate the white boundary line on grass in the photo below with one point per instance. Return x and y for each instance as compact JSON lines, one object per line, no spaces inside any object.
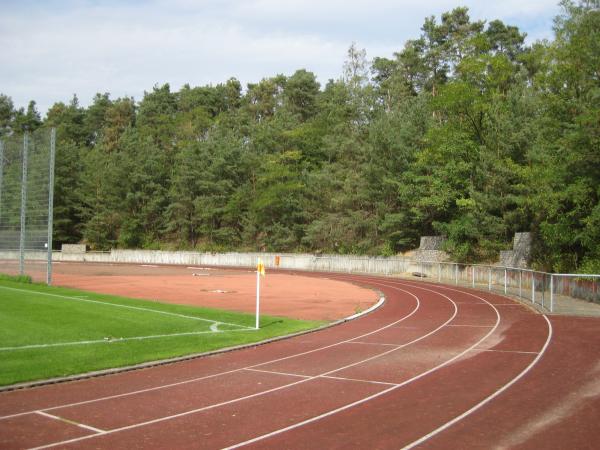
{"x":117,"y":305}
{"x":193,"y":380}
{"x":285,"y":386}
{"x":117,"y":340}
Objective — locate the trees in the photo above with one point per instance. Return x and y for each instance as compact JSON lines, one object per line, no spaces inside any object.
{"x":566,"y":155}
{"x":466,"y":131}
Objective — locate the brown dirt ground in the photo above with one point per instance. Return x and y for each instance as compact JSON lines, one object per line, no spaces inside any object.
{"x":282,"y":294}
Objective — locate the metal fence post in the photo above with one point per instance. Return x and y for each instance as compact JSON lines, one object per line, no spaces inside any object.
{"x":489,"y":278}
{"x":533,"y":287}
{"x":439,"y":272}
{"x":505,"y":281}
{"x":456,"y":273}
{"x":23,"y":204}
{"x":473,"y":273}
{"x":551,"y":293}
{"x":543,"y":289}
{"x":50,"y":203}
{"x":520,"y":283}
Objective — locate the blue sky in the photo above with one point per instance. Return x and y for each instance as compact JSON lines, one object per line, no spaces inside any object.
{"x":53,"y":49}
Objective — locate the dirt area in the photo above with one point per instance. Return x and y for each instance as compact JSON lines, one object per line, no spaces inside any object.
{"x":282,"y":294}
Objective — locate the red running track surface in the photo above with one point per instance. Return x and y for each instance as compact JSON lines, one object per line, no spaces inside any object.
{"x":435,"y":367}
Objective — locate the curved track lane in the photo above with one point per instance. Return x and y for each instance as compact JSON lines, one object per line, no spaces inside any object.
{"x":433,"y":360}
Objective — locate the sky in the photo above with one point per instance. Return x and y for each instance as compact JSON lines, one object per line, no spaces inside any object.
{"x":53,"y":49}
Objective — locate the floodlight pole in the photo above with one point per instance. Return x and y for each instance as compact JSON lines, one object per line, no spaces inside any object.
{"x":50,"y":204}
{"x":23,"y":205}
{"x":1,"y":173}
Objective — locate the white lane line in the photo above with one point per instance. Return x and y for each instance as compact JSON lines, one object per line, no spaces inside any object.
{"x":373,"y":343}
{"x":346,"y":341}
{"x":70,"y":422}
{"x":304,"y":380}
{"x":125,"y":339}
{"x":117,"y":305}
{"x":489,"y":398}
{"x":194,"y":380}
{"x":359,"y":380}
{"x":279,"y":373}
{"x":371,"y":397}
{"x":471,"y":326}
{"x":504,"y":351}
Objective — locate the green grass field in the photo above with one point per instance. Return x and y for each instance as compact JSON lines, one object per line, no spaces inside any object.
{"x":48,"y":332}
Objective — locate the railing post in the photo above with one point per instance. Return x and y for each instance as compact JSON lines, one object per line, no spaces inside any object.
{"x":489,"y":278}
{"x":505,"y":281}
{"x":439,"y":272}
{"x":456,"y":273}
{"x":533,"y":287}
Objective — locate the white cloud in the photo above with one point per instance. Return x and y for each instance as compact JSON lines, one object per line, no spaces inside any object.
{"x":55,"y":49}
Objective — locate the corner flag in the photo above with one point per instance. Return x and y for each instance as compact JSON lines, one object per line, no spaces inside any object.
{"x":260,"y":270}
{"x":260,"y":267}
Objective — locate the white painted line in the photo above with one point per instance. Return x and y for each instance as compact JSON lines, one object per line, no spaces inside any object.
{"x":504,"y":351}
{"x":371,"y":397}
{"x":279,"y":373}
{"x":373,"y":343}
{"x":489,"y":398}
{"x":214,"y":376}
{"x":71,"y":422}
{"x":471,"y":326}
{"x":162,"y":419}
{"x":418,"y":305}
{"x":194,"y":380}
{"x":117,"y":340}
{"x":317,"y":376}
{"x":358,"y":380}
{"x":117,"y":305}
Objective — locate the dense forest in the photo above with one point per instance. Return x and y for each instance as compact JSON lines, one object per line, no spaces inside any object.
{"x":466,"y":132}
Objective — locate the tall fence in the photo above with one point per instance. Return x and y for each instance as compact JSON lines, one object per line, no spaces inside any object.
{"x":563,"y":293}
{"x":26,"y":199}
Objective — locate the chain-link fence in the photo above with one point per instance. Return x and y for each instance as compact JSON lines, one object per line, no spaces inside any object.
{"x":26,"y":199}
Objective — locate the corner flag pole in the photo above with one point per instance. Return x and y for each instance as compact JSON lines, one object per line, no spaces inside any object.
{"x":260,"y":270}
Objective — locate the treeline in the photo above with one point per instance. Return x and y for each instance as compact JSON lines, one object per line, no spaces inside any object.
{"x":466,"y":131}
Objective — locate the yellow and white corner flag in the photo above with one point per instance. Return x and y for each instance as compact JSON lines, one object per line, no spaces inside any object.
{"x":260,"y":267}
{"x":260,"y":270}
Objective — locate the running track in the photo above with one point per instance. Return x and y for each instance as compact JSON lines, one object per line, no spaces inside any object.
{"x":435,"y":367}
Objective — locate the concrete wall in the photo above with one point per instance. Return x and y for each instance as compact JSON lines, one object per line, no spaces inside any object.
{"x":430,"y":249}
{"x":333,"y":263}
{"x":520,"y":255}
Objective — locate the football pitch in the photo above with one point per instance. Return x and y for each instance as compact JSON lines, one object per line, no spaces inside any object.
{"x":48,"y":332}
